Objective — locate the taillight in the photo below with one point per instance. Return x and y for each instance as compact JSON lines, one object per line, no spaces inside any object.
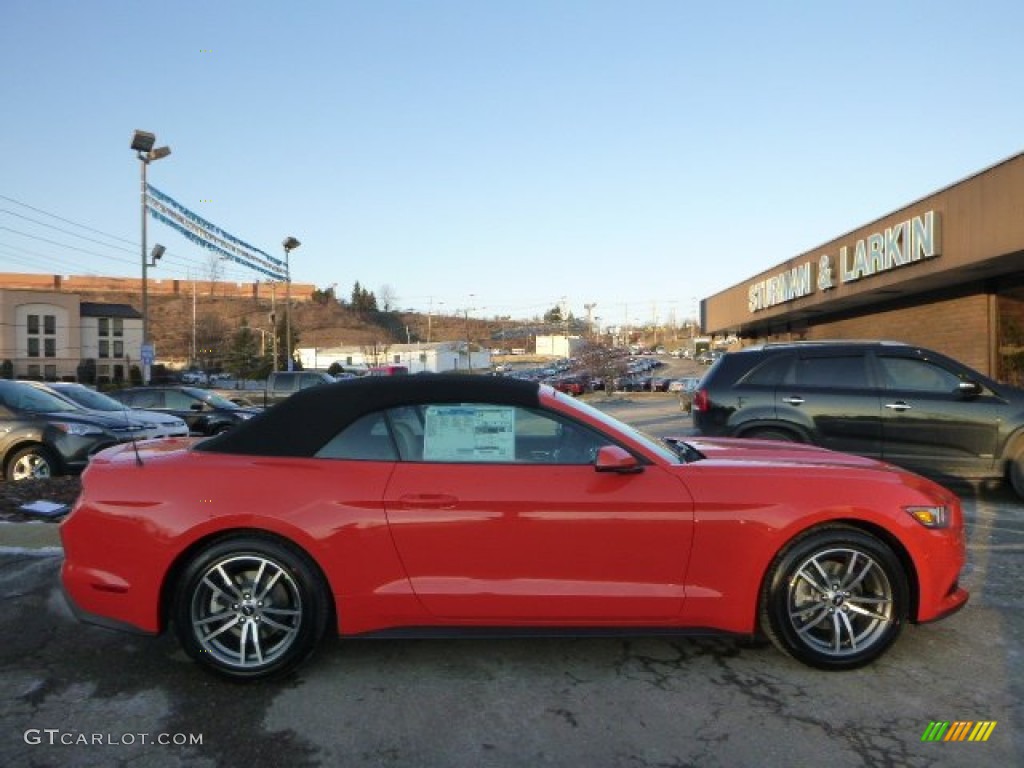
{"x":701,"y":401}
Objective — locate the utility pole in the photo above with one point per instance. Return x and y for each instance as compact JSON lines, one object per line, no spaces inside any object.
{"x":469,"y":349}
{"x":273,"y":320}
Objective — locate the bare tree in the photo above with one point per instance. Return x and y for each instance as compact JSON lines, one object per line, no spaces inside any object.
{"x":212,"y":340}
{"x":375,"y":353}
{"x":386,"y":298}
{"x":214,"y":270}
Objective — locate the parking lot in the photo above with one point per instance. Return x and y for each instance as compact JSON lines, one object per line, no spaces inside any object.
{"x":80,"y":695}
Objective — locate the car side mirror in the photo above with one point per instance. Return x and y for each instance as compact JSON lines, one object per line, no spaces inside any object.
{"x":968,"y":388}
{"x":612,"y":458}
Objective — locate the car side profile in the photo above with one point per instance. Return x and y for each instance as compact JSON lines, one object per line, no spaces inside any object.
{"x":205,"y":412}
{"x":418,"y":505}
{"x":283,"y":384}
{"x":887,"y":400}
{"x":156,"y":424}
{"x":42,"y":434}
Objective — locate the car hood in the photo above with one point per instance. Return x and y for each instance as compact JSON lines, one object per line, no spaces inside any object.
{"x":152,"y":418}
{"x":774,"y":452}
{"x":95,"y":418}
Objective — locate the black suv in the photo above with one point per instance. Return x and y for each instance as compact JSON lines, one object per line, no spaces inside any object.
{"x":899,"y":403}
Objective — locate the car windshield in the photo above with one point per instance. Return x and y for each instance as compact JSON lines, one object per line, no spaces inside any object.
{"x":653,"y":444}
{"x":90,"y":398}
{"x":24,"y":397}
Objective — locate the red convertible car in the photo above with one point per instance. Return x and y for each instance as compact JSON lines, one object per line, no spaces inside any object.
{"x":414,"y":505}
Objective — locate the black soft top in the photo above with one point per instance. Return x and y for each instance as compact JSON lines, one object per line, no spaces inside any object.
{"x":302,"y":424}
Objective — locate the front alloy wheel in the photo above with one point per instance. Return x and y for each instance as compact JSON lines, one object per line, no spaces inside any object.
{"x":250,"y":608}
{"x":33,"y":463}
{"x":836,"y":599}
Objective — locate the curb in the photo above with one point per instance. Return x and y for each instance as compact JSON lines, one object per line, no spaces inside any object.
{"x":29,"y":535}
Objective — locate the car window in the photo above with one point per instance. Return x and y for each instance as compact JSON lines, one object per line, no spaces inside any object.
{"x":90,"y":398}
{"x":366,"y":439}
{"x":917,"y":375}
{"x":485,"y":433}
{"x":284,"y":383}
{"x":831,"y":372}
{"x":153,"y":398}
{"x":178,"y":401}
{"x":770,"y":373}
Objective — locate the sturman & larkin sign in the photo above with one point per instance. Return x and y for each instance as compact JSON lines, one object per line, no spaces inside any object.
{"x":898,"y":246}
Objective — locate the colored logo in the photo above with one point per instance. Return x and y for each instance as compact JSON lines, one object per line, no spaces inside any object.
{"x":958,"y":730}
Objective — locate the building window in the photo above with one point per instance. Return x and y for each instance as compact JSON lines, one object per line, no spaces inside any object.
{"x":49,"y":324}
{"x":50,"y":372}
{"x":118,"y":373}
{"x":118,"y":326}
{"x":49,"y":347}
{"x":398,"y":359}
{"x":104,"y":326}
{"x":33,"y":372}
{"x":33,"y":324}
{"x":118,"y":349}
{"x":33,"y":347}
{"x":104,"y":348}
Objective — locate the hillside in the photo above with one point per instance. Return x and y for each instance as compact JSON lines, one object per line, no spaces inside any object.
{"x":214,"y":319}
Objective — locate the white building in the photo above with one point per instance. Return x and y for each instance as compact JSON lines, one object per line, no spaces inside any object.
{"x":436,"y":357}
{"x":558,"y":346}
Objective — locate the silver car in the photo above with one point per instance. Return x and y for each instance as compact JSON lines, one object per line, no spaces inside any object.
{"x":157,"y":424}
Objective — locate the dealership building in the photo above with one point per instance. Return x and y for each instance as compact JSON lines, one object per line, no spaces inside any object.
{"x":945,"y":272}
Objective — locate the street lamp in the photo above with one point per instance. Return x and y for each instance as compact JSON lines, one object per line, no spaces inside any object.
{"x":289,"y":244}
{"x":142,"y":143}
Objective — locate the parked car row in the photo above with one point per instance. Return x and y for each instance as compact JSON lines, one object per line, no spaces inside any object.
{"x":43,"y":433}
{"x":206,"y":413}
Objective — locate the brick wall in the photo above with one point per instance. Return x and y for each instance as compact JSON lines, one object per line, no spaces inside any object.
{"x":87,"y":284}
{"x":957,"y":327}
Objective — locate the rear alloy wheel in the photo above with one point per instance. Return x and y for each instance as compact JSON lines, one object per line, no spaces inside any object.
{"x":32,"y":463}
{"x":836,"y":599}
{"x":250,"y":608}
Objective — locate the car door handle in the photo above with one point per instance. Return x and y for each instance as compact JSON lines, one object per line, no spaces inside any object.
{"x":428,"y":501}
{"x":899,"y":406}
{"x":793,"y":400}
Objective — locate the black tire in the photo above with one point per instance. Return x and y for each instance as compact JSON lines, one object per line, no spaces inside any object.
{"x":250,"y":607}
{"x":772,"y":434}
{"x":1017,"y":474}
{"x":36,"y":462}
{"x":843,"y":621}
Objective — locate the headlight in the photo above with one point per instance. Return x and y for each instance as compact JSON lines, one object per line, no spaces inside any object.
{"x":75,"y":428}
{"x":930,"y":517}
{"x":246,"y":415}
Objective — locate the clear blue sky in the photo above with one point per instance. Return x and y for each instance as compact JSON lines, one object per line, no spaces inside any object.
{"x":492,"y":155}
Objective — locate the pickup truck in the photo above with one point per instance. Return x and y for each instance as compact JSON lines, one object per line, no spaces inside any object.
{"x":283,"y":384}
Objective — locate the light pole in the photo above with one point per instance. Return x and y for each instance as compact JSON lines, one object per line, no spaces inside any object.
{"x":142,"y":143}
{"x":469,"y":350}
{"x":289,"y":245}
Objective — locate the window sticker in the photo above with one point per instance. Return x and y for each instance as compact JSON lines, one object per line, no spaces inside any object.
{"x":469,"y":433}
